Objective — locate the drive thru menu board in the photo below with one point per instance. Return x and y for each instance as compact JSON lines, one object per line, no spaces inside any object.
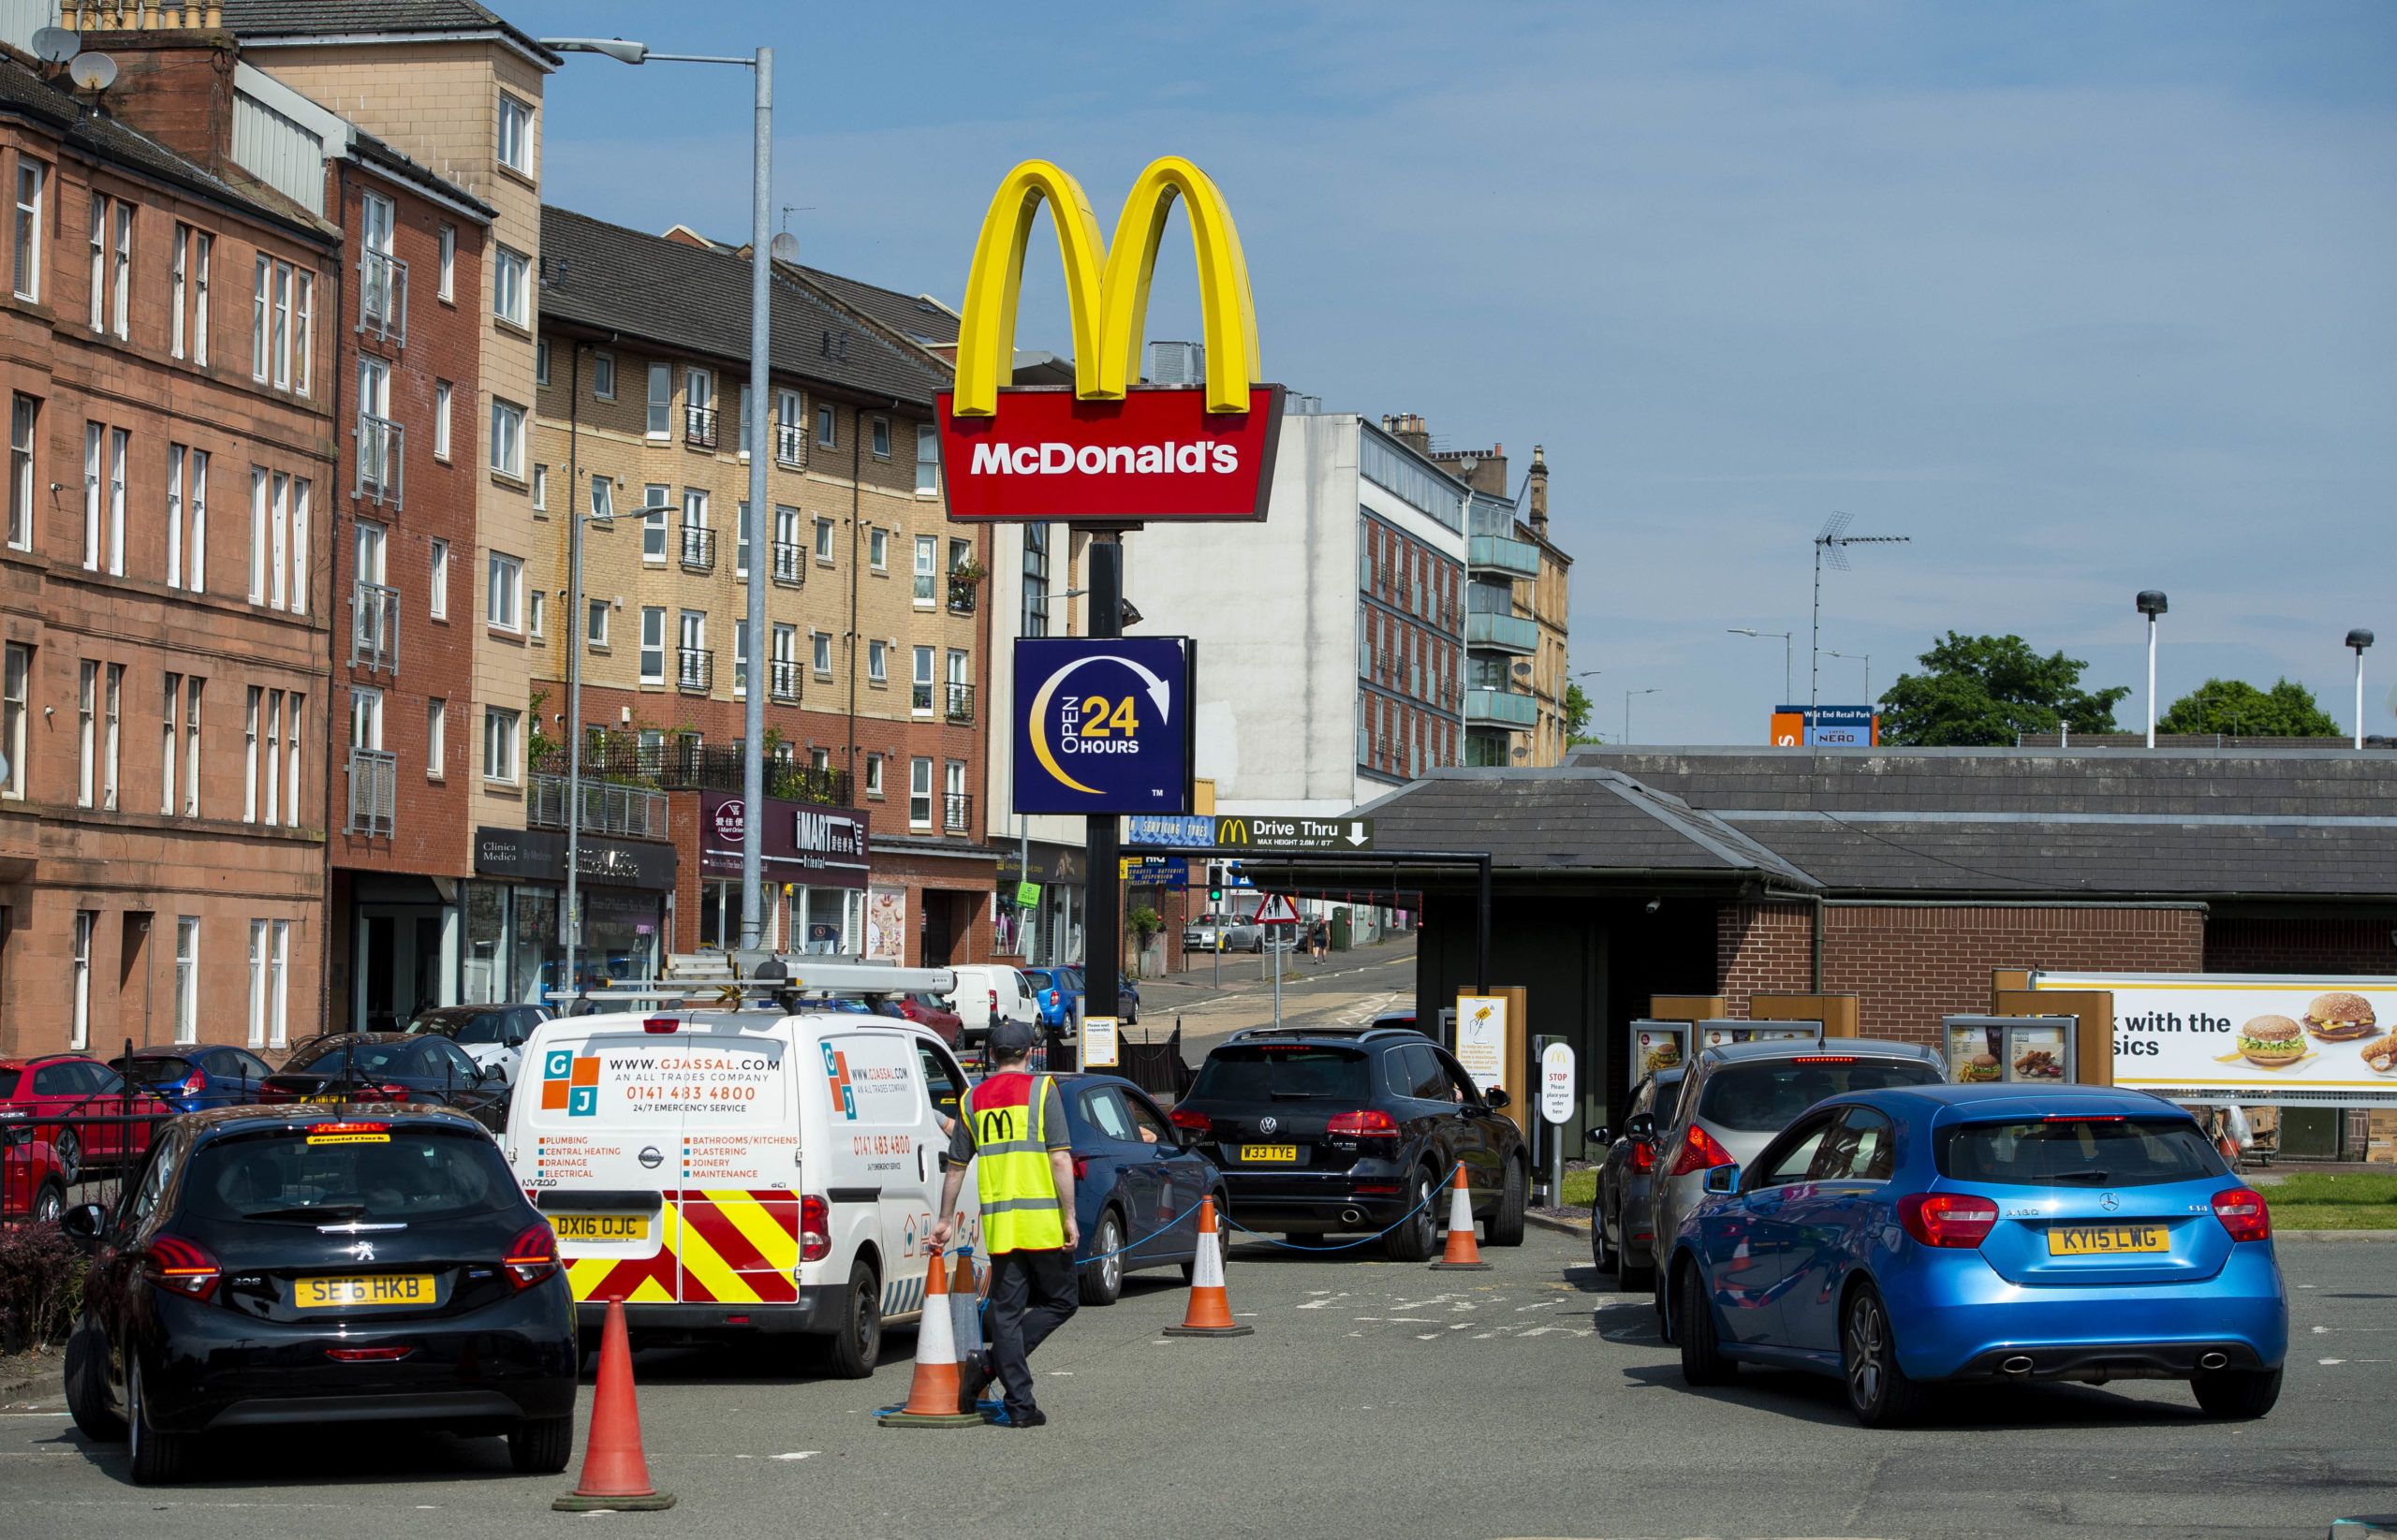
{"x":2258,"y":1038}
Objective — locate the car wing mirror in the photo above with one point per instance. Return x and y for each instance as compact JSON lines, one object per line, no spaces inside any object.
{"x":1722,"y":1179}
{"x":82,"y":1225}
{"x":1496,"y":1099}
{"x":1641,"y":1126}
{"x":1600,"y":1134}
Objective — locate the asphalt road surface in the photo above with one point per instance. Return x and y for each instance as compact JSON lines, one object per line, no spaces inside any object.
{"x":1346,"y":988}
{"x":1374,"y":1400}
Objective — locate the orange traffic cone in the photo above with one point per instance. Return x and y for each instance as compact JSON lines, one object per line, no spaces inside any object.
{"x":615,"y":1477}
{"x":1210,"y":1311}
{"x":1462,"y":1255}
{"x":931,"y":1397}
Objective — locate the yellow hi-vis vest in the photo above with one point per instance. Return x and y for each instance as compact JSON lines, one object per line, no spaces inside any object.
{"x":1019,"y":1190}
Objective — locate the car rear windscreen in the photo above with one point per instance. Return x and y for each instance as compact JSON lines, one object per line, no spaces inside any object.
{"x":2077,"y":1152}
{"x":1275,"y":1072}
{"x":1766,"y":1097}
{"x":336,"y":1172}
{"x":1669,"y":1101}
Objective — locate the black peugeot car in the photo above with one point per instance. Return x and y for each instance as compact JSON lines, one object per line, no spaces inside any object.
{"x":1324,"y":1132}
{"x":300,"y":1265}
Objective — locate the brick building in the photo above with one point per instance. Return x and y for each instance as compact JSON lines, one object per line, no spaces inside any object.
{"x":166,"y":597}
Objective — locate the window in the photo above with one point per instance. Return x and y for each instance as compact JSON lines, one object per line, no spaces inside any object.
{"x":510,"y":294}
{"x":441,"y":420}
{"x":31,"y":175}
{"x":273,"y":755}
{"x":13,"y":682}
{"x":786,"y":429}
{"x":79,"y":1028}
{"x":595,"y":630}
{"x":445,"y":284}
{"x":541,"y":361}
{"x":507,"y":577}
{"x":603,"y":497}
{"x":302,"y":330}
{"x":927,"y":570}
{"x":99,"y":285}
{"x":250,"y":753}
{"x":436,"y":738}
{"x":824,"y":435}
{"x":878,"y":550}
{"x":877,"y":660}
{"x":281,"y":300}
{"x":920,"y":701}
{"x":785,"y":680}
{"x":744,"y":422}
{"x":927,"y":460}
{"x":882,"y":438}
{"x":507,"y":438}
{"x":437,"y":586}
{"x":515,"y":134}
{"x":692,"y":670}
{"x":920,"y":794}
{"x":741,"y":540}
{"x":661,"y":401}
{"x":194,"y":689}
{"x":656,"y":499}
{"x":86,"y":701}
{"x":278,"y":540}
{"x":111,"y":708}
{"x":953,"y":796}
{"x":534,"y":608}
{"x":119,"y":439}
{"x":21,"y":413}
{"x":499,"y":743}
{"x":824,"y":540}
{"x":820,"y":651}
{"x":540,"y":487}
{"x":120,"y":274}
{"x":652,"y":644}
{"x":188,"y":308}
{"x":95,"y":441}
{"x":787,"y":544}
{"x":874,"y":775}
{"x":739,"y":657}
{"x":603,"y":375}
{"x":1036,"y":579}
{"x":167,"y":747}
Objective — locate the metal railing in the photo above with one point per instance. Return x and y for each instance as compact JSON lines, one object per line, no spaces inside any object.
{"x":694,"y":669}
{"x":1518,"y":558}
{"x":373,"y":791}
{"x":957,"y":811}
{"x":961,"y":596}
{"x":698,"y":549}
{"x":1502,"y":706}
{"x":1506,"y":633}
{"x":783,"y":678}
{"x":375,"y":628}
{"x":790,"y":562}
{"x":685,"y":763}
{"x":698,"y":425}
{"x":608,"y":807}
{"x":381,"y":454}
{"x":383,"y":297}
{"x":961,"y":702}
{"x":787,"y":443}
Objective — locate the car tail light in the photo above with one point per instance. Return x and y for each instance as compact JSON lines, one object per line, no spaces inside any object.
{"x":1947,"y":1219}
{"x":814,"y":1228}
{"x":391,"y":1092}
{"x":1081,"y":1167}
{"x":183,"y":1265}
{"x":272,"y":1092}
{"x":1700,"y":1152}
{"x":2243,"y":1212}
{"x":658,"y":1023}
{"x":1644,"y":1155}
{"x":333,"y":1133}
{"x":1198,"y":1123}
{"x":368,"y":1354}
{"x":1367,"y":1123}
{"x":194,"y":1085}
{"x":993,"y":1017}
{"x":533,"y":1256}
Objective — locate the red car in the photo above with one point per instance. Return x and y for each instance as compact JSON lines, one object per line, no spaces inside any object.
{"x":66,"y":1085}
{"x":926,"y":1011}
{"x":31,"y":1185}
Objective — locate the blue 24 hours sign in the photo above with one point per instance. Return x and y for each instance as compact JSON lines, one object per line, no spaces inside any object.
{"x":1102,"y":724}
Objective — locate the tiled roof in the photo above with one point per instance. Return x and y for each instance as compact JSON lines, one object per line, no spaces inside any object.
{"x":919,"y":319}
{"x":336,"y":18}
{"x":696,"y":299}
{"x":393,"y":163}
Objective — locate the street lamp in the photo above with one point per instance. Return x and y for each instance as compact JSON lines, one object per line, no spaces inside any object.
{"x":1626,"y":707}
{"x":2152,"y":603}
{"x":753,"y":757}
{"x":1866,"y":658}
{"x":2358,"y":639}
{"x":1789,"y":654}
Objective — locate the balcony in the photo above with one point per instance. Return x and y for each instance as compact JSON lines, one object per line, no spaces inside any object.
{"x":685,"y":763}
{"x":785,"y":680}
{"x":373,"y":792}
{"x":791,"y":563}
{"x":694,"y":670}
{"x":381,"y":445}
{"x":698,"y":549}
{"x":699,"y":426}
{"x":383,"y":298}
{"x":375,"y":628}
{"x":1502,"y":633}
{"x":1501,"y":707}
{"x":787,"y":443}
{"x":960,"y":703}
{"x":957,"y":813}
{"x":608,"y":808}
{"x":961,"y":596}
{"x":1495,"y":553}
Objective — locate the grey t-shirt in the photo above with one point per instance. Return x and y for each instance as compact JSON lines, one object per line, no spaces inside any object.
{"x":1054,"y":1132}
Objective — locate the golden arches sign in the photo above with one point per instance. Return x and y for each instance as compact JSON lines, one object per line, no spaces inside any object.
{"x":1107,"y":288}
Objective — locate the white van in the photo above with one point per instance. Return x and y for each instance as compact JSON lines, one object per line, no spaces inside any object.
{"x":987,"y":992}
{"x":741,"y":1171}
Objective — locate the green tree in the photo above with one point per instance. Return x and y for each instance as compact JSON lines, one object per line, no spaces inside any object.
{"x":1576,"y":716}
{"x":2234,"y":706}
{"x":1985,"y":690}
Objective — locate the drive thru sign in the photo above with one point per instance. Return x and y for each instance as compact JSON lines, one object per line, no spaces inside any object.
{"x":1278,"y":910}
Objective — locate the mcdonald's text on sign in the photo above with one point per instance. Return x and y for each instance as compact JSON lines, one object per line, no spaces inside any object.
{"x":1247,"y":832}
{"x":1155,"y":455}
{"x":1102,"y":725}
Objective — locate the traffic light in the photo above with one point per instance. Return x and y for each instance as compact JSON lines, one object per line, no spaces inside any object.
{"x":1215,"y":886}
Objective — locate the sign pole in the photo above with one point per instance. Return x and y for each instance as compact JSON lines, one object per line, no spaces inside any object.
{"x":1102,"y":889}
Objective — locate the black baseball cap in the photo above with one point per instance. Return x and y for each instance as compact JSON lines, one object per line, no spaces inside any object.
{"x":1013,"y":1037}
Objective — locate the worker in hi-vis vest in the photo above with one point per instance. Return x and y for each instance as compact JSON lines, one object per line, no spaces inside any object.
{"x":1015,"y":1123}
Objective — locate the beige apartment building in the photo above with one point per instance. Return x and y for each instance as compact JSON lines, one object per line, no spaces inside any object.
{"x":1517,"y":672}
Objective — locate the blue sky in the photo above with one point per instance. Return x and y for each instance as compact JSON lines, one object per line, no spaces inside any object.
{"x":2083,"y":298}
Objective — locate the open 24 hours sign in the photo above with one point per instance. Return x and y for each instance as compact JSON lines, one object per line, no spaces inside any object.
{"x":1102,"y":724}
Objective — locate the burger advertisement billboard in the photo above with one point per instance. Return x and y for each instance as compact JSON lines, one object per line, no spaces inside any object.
{"x":2252,"y":1037}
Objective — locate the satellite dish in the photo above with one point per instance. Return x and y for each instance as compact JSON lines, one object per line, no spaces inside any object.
{"x":92,"y":71}
{"x":56,"y":45}
{"x":784,"y":247}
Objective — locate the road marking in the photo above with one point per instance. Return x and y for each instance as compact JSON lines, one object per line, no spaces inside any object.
{"x":2330,"y":1360}
{"x":796,"y":1454}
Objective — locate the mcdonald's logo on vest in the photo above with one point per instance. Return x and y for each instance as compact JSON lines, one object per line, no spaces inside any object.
{"x":1111,"y":448}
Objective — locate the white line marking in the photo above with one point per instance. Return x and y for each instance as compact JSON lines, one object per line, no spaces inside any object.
{"x":796,"y":1454}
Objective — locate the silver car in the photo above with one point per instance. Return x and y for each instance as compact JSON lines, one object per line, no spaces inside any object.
{"x":1223,"y":934}
{"x":1738,"y":1096}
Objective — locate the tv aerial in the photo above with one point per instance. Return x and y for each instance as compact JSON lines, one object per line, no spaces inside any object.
{"x":1833,"y":542}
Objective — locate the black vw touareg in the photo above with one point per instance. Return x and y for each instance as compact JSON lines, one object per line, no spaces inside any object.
{"x":1325,"y":1132}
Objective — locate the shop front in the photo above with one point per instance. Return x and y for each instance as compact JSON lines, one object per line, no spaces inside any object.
{"x":1040,"y":926}
{"x":814,"y":863}
{"x":514,"y":950}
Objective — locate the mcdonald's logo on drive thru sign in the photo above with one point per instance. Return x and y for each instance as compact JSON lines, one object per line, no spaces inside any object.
{"x":1110,"y":448}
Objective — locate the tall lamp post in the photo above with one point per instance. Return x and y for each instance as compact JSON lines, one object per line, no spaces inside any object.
{"x":2358,"y":639}
{"x":2152,"y":603}
{"x":753,"y":757}
{"x":1789,"y":654}
{"x":1626,"y":707}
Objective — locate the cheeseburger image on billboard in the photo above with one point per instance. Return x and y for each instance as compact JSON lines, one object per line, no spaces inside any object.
{"x":2274,"y":1042}
{"x":2340,"y":1015}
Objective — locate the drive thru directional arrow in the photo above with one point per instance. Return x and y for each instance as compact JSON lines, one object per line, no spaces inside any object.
{"x":1236,"y":832}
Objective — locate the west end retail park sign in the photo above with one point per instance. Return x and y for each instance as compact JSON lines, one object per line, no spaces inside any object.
{"x":1110,"y":450}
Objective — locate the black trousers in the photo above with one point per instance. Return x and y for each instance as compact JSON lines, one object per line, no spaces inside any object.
{"x":1032,"y":1294}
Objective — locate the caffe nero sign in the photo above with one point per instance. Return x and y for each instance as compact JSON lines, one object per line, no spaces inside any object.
{"x":538,"y":855}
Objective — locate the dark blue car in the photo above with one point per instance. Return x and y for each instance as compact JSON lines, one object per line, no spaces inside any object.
{"x":1957,"y":1233}
{"x":189,"y":1077}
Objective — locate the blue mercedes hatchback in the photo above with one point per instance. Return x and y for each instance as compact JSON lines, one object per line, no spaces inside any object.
{"x":1959,"y":1232}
